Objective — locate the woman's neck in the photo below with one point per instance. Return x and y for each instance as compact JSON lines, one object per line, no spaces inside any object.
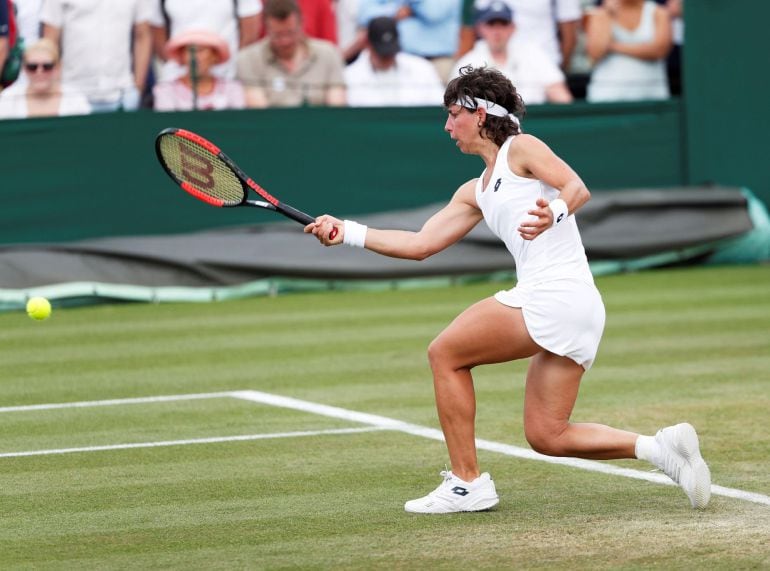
{"x":488,"y":152}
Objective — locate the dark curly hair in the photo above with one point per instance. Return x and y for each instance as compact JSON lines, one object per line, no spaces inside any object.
{"x":492,"y":85}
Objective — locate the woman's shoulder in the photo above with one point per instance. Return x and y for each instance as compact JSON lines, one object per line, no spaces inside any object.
{"x":12,"y":105}
{"x":466,"y":193}
{"x":524,"y":141}
{"x":468,"y":184}
{"x":526,"y":150}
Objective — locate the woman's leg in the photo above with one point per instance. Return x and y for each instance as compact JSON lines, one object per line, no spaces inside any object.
{"x":551,"y":391}
{"x":487,"y":332}
{"x":552,"y":387}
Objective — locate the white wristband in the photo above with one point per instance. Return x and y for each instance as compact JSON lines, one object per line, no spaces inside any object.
{"x":559,"y":209}
{"x":354,"y":234}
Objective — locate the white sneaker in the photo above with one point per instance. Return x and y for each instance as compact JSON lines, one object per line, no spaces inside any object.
{"x":680,"y":459}
{"x":456,"y":495}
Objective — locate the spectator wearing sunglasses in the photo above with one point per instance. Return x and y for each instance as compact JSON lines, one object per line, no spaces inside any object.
{"x":42,"y":94}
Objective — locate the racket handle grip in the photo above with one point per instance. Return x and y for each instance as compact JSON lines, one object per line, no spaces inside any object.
{"x":303,"y":218}
{"x":295,"y":214}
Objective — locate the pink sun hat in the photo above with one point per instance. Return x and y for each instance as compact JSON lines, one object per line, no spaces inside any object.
{"x":176,"y":46}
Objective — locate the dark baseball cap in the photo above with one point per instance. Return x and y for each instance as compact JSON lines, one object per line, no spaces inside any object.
{"x":496,"y":10}
{"x":383,"y":36}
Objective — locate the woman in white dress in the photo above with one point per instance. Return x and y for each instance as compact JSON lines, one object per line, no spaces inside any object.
{"x":528,"y":196}
{"x":40,"y":93}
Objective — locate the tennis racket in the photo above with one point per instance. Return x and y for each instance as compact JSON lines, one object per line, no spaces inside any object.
{"x":203,"y":170}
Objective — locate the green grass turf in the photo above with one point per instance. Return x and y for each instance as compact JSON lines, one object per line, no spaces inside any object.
{"x":679,"y":345}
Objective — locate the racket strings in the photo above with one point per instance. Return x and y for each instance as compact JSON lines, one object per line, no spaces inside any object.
{"x":200,"y":168}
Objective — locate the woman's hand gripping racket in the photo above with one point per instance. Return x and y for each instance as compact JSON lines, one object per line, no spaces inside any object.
{"x":200,"y":168}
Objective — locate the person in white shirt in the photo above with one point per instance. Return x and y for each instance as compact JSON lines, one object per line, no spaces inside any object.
{"x":529,"y":68}
{"x":239,"y":22}
{"x":28,"y":19}
{"x":554,"y":316}
{"x":105,"y":48}
{"x":551,"y":24}
{"x":384,"y":76}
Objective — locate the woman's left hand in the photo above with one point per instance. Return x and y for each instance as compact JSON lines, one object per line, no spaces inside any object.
{"x":531,"y":229}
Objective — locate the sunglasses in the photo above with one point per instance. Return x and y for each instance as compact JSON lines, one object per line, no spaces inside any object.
{"x":35,"y":66}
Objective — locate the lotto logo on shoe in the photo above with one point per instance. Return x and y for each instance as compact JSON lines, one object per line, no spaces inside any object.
{"x":460,"y":491}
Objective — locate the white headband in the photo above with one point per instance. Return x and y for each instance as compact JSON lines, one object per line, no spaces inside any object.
{"x":492,"y":108}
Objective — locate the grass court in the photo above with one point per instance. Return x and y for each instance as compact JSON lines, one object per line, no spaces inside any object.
{"x":160,"y":436}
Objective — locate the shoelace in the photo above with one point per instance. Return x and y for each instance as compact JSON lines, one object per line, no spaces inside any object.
{"x":447,"y":476}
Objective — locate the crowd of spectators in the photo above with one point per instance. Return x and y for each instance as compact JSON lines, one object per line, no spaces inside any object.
{"x":64,"y":57}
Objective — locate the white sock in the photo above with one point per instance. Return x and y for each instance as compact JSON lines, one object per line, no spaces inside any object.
{"x":646,"y":448}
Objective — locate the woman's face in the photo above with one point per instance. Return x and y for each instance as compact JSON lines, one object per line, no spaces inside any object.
{"x":205,"y":59}
{"x":462,"y":126}
{"x":42,"y":71}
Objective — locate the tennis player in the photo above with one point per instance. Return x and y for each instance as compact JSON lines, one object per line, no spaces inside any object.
{"x":555,"y":315}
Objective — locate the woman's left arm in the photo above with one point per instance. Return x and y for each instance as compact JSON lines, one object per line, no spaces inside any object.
{"x":530,"y":157}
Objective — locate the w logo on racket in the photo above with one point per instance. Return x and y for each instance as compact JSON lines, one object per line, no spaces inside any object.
{"x":196,"y":168}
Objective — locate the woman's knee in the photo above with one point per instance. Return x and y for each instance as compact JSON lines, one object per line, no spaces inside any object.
{"x":546,"y":440}
{"x":437,"y":352}
{"x":442,"y":356}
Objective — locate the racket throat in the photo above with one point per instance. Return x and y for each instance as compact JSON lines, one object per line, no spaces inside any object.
{"x":259,"y":204}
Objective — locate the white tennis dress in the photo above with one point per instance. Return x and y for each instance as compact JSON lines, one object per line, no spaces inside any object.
{"x":562,"y":308}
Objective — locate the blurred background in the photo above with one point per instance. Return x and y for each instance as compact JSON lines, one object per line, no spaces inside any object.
{"x":335,"y":106}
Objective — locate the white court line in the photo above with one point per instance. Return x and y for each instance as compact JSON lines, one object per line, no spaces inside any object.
{"x":507,"y":449}
{"x":378,"y":422}
{"x":212,"y":440}
{"x":114,"y":402}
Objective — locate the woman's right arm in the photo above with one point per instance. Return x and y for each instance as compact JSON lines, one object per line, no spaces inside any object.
{"x":442,"y":230}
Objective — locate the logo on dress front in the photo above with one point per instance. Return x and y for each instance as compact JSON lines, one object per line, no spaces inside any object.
{"x":497,"y":184}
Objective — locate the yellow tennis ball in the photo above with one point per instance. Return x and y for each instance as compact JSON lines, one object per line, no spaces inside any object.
{"x":39,"y":308}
